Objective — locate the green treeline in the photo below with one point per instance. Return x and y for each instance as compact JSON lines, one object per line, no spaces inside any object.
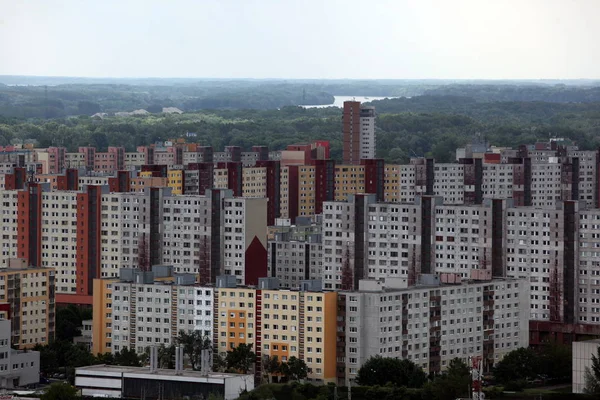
{"x":431,"y":126}
{"x":399,"y":135}
{"x":76,"y":99}
{"x":559,"y":93}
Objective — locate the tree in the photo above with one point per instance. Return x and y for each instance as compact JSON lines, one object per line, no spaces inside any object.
{"x":241,"y":358}
{"x":127,"y":358}
{"x":68,"y":322}
{"x":453,"y":383}
{"x":219,"y":363}
{"x":77,"y":356}
{"x":193,"y":345}
{"x":154,"y":108}
{"x":106,"y":358}
{"x":60,"y":391}
{"x":294,"y":369}
{"x":555,"y":361}
{"x":592,"y":375}
{"x":166,"y":356}
{"x":270,"y":367}
{"x":521,"y":363}
{"x":382,"y":371}
{"x":88,"y":107}
{"x":63,"y":356}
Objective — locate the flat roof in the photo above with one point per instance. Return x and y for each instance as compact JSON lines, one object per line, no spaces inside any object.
{"x":6,"y":268}
{"x":158,"y":372}
{"x":588,"y":341}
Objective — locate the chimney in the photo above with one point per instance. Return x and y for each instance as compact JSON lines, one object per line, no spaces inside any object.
{"x":205,"y":362}
{"x":153,"y":358}
{"x":177,"y":360}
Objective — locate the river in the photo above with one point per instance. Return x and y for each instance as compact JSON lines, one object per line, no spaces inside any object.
{"x":339,"y":101}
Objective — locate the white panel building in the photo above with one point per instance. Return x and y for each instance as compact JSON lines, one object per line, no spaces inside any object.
{"x":431,"y":324}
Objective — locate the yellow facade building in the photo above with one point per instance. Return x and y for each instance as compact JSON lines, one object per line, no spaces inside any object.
{"x":102,"y":314}
{"x":220,"y":178}
{"x":175,"y":181}
{"x":281,"y":323}
{"x":349,"y":179}
{"x":30,"y":292}
{"x":306,"y":190}
{"x":140,"y":183}
{"x":391,"y":185}
{"x":254,"y":182}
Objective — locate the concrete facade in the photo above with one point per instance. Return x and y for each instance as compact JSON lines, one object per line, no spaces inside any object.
{"x":582,"y":360}
{"x":17,"y":367}
{"x":432,"y":324}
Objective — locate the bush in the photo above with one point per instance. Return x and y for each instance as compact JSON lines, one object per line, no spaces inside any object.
{"x":515,"y":385}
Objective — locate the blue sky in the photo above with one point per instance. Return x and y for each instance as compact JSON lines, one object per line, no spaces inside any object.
{"x":447,"y":39}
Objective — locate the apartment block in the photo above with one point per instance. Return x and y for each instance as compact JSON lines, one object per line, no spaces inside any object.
{"x":92,"y":232}
{"x":245,"y":237}
{"x":175,"y":181}
{"x":148,"y":308}
{"x":280,"y":323}
{"x":30,"y":294}
{"x":17,"y":367}
{"x":102,"y":319}
{"x":358,"y":130}
{"x":432,"y":323}
{"x":77,"y":160}
{"x":303,"y":153}
{"x":295,"y":252}
{"x":305,"y":188}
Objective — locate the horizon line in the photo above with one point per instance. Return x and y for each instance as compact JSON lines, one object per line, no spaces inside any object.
{"x":291,"y":79}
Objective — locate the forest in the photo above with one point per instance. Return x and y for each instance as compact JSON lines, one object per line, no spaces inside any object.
{"x":418,"y":125}
{"x":55,"y":98}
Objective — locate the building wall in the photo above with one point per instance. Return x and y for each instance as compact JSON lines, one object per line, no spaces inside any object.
{"x":295,"y":254}
{"x":135,"y":160}
{"x":154,"y":313}
{"x":349,"y":180}
{"x":582,"y":360}
{"x":30,"y":293}
{"x":9,"y":223}
{"x":351,"y":132}
{"x":246,"y":231}
{"x":141,"y":183}
{"x":287,"y":323}
{"x":19,"y":365}
{"x":59,"y":238}
{"x":391,"y":184}
{"x":102,"y":316}
{"x":236,"y":320}
{"x":186,"y":224}
{"x":402,"y":323}
{"x":221,"y":180}
{"x":254,"y":182}
{"x":175,"y":181}
{"x":306,"y":190}
{"x":93,"y":180}
{"x":368,"y":143}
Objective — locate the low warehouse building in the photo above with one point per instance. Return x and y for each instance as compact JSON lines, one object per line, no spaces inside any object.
{"x":142,"y":383}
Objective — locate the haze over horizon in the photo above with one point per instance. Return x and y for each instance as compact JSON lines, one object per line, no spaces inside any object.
{"x":431,"y":39}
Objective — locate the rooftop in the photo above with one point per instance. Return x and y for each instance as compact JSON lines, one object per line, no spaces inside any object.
{"x":163,"y":372}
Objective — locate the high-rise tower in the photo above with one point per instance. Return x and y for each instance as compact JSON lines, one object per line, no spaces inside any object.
{"x":358,"y":128}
